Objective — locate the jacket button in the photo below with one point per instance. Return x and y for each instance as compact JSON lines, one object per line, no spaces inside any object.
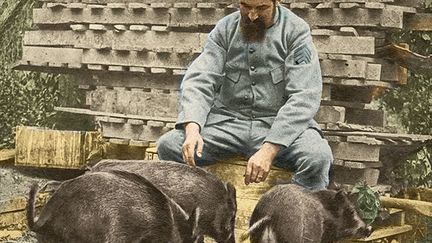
{"x":253,"y":83}
{"x":251,"y":50}
{"x":252,"y":68}
{"x":246,"y":97}
{"x":253,"y":116}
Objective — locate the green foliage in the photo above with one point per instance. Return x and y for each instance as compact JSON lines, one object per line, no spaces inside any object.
{"x":411,"y":104}
{"x":26,"y":98}
{"x":416,"y":171}
{"x":367,"y":202}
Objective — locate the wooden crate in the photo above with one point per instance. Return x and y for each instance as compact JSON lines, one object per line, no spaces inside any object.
{"x":247,"y":196}
{"x":42,"y":147}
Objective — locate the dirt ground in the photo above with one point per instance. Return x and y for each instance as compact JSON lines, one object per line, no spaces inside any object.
{"x":15,"y":182}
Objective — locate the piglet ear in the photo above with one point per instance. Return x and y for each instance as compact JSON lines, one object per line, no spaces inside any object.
{"x":194,"y":221}
{"x":230,"y":189}
{"x":340,"y":196}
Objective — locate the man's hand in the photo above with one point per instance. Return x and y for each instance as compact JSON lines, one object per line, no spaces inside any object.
{"x":192,"y":139}
{"x":259,"y":164}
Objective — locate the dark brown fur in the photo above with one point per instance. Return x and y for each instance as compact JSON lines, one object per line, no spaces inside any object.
{"x":190,"y":187}
{"x":291,"y":214}
{"x":114,"y":206}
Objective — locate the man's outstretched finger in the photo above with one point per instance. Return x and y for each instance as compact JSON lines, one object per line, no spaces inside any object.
{"x":266,"y":173}
{"x":260,"y":176}
{"x":248,"y":173}
{"x":200,"y":147}
{"x":254,"y":174}
{"x":190,"y":152}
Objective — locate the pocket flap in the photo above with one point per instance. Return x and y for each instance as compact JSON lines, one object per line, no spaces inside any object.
{"x":277,"y":74}
{"x":233,"y":75}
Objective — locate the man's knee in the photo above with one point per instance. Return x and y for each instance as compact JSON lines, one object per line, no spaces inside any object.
{"x":169,"y":146}
{"x":318,"y":159}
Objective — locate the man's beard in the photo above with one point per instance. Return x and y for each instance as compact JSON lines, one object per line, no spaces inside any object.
{"x":253,"y":31}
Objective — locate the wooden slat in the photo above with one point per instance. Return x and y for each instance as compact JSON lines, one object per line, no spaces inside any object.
{"x":357,"y":82}
{"x":128,"y":131}
{"x":347,"y":104}
{"x":104,"y":16}
{"x":345,"y":45}
{"x":127,"y":40}
{"x":366,"y":117}
{"x":197,"y":16}
{"x":133,"y":102}
{"x":352,"y":17}
{"x":51,"y":54}
{"x":338,"y":1}
{"x":130,"y":80}
{"x":395,"y":136}
{"x":137,"y":59}
{"x":345,"y":69}
{"x":355,"y":152}
{"x":330,"y":114}
{"x":53,"y":149}
{"x":7,"y":154}
{"x":386,"y":232}
{"x":110,"y":114}
{"x":345,"y":175}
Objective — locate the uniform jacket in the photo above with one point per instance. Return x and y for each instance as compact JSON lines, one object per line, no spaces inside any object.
{"x":277,"y":81}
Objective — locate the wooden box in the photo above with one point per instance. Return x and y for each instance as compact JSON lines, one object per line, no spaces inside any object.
{"x":42,"y":147}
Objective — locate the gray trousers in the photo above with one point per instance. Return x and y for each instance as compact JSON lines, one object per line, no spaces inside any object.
{"x":309,"y":156}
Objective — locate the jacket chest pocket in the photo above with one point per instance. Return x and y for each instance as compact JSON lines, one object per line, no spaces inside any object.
{"x":232,"y":74}
{"x":277,"y":74}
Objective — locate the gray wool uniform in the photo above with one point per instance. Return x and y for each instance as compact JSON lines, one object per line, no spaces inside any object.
{"x":244,"y":94}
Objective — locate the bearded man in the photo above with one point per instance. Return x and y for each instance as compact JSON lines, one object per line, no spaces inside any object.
{"x":254,"y":91}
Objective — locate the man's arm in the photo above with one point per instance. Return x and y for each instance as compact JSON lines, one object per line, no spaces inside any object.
{"x":303,"y":89}
{"x":198,"y":91}
{"x":201,"y":81}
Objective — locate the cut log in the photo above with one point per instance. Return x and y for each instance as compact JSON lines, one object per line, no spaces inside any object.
{"x":406,"y":58}
{"x":420,"y":207}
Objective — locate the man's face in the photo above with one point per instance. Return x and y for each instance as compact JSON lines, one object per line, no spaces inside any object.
{"x":256,"y":17}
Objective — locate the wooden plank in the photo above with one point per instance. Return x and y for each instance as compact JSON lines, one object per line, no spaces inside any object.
{"x":337,"y":1}
{"x":364,"y":139}
{"x":352,"y":17}
{"x":357,"y":82}
{"x":392,"y":18}
{"x":349,"y":5}
{"x":20,"y":203}
{"x":347,"y":104}
{"x":333,"y":114}
{"x":194,"y":42}
{"x":7,"y":155}
{"x":386,"y":232}
{"x":134,"y":102}
{"x":373,"y":71}
{"x":137,"y":59}
{"x":104,"y":16}
{"x":128,"y":131}
{"x":326,"y":92}
{"x":232,"y":171}
{"x":355,"y":152}
{"x":110,"y":114}
{"x":345,"y":69}
{"x":345,"y":45}
{"x":41,"y":147}
{"x":51,"y":54}
{"x":196,"y":17}
{"x":131,"y":80}
{"x":345,"y":175}
{"x":366,"y":117}
{"x":355,"y":127}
